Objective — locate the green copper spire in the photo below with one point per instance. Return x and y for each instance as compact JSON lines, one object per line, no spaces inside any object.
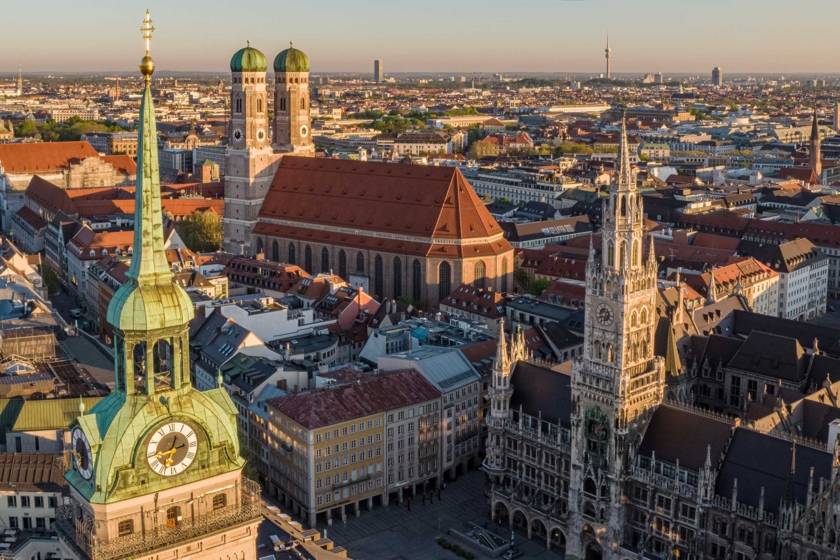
{"x":149,"y":300}
{"x":148,"y":262}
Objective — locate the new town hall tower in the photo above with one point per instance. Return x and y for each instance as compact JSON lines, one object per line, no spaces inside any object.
{"x":254,"y":148}
{"x":618,"y":381}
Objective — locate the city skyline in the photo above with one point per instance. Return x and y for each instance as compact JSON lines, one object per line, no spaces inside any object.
{"x":566,"y":36}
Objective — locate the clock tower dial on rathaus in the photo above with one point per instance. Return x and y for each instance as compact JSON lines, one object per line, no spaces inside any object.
{"x":618,"y":381}
{"x":156,"y":457}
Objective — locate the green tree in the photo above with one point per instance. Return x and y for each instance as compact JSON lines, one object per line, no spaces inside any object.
{"x":202,"y":232}
{"x":50,"y":279}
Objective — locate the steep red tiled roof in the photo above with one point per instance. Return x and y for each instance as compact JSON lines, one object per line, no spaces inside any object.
{"x":49,"y":196}
{"x":43,"y":157}
{"x":367,"y":396}
{"x":422,"y":201}
{"x":86,"y":240}
{"x":31,"y":218}
{"x":122,"y":163}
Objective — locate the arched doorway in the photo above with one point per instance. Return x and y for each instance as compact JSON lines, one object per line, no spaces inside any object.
{"x":593,"y":551}
{"x":558,"y":539}
{"x":538,"y":530}
{"x":501,"y":514}
{"x":520,"y":522}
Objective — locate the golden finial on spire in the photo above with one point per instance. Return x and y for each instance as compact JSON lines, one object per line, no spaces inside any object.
{"x":147,"y":65}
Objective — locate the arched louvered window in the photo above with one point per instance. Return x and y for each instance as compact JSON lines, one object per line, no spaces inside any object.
{"x":342,"y":264}
{"x":444,"y":280}
{"x":325,"y":260}
{"x":417,"y":281}
{"x":397,"y":276}
{"x":378,"y":280}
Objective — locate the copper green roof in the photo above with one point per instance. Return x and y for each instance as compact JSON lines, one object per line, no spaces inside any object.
{"x":117,"y":425}
{"x":50,"y":414}
{"x":291,"y":60}
{"x":248,"y":59}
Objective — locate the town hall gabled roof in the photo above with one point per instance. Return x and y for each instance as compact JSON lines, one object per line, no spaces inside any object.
{"x":413,"y":202}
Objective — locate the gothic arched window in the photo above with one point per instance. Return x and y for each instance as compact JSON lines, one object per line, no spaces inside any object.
{"x":444,"y":280}
{"x":259,"y":245}
{"x":282,"y":103}
{"x":622,"y":206}
{"x":610,"y":253}
{"x":237,"y":104}
{"x":325,"y":260}
{"x":292,"y":255}
{"x":635,"y":254}
{"x":634,"y":319}
{"x":342,"y":264}
{"x":360,"y":263}
{"x":397,"y":278}
{"x":622,"y":254}
{"x":479,"y":275}
{"x":416,"y":281}
{"x":275,"y":251}
{"x":504,"y":285}
{"x":303,"y":103}
{"x":644,"y":316}
{"x":378,"y":280}
{"x":259,"y":105}
{"x":307,"y":259}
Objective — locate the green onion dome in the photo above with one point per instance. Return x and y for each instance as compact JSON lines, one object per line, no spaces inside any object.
{"x":248,"y":59}
{"x":291,"y":60}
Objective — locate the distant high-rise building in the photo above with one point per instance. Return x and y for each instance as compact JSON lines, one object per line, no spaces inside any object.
{"x":607,"y":54}
{"x":815,"y":152}
{"x":378,"y":71}
{"x":717,"y":76}
{"x":19,"y":83}
{"x":837,"y":115}
{"x":660,"y":79}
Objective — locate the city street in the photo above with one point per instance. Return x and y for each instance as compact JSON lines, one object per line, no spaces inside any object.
{"x":394,"y":533}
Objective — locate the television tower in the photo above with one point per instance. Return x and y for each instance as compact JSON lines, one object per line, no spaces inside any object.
{"x":607,"y":53}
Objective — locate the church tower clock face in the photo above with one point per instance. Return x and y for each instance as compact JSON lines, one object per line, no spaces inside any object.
{"x":172,"y":448}
{"x":604,"y":316}
{"x":82,"y":455}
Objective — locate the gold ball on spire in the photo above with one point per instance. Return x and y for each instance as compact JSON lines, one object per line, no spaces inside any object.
{"x":147,"y":66}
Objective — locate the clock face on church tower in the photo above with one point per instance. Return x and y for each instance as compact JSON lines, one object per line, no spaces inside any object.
{"x":82,"y":455}
{"x":172,"y":448}
{"x":604,"y":316}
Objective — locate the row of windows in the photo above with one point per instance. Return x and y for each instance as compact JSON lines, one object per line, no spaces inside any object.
{"x":25,"y":502}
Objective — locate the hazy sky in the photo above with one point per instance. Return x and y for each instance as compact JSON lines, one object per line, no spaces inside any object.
{"x":430,"y":35}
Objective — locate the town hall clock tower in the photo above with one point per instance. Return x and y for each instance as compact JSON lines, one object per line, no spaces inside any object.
{"x":156,"y":470}
{"x":618,"y":381}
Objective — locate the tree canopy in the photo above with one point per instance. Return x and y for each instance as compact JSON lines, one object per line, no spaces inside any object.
{"x":71,"y":129}
{"x":202,"y":232}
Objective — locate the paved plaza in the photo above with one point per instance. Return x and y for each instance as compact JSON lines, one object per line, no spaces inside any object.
{"x":394,"y":533}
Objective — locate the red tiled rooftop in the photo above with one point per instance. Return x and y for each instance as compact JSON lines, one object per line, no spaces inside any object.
{"x":365,"y":397}
{"x":43,"y":157}
{"x":421,"y":201}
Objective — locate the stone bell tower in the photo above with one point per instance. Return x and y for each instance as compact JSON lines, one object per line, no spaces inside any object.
{"x":249,"y":160}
